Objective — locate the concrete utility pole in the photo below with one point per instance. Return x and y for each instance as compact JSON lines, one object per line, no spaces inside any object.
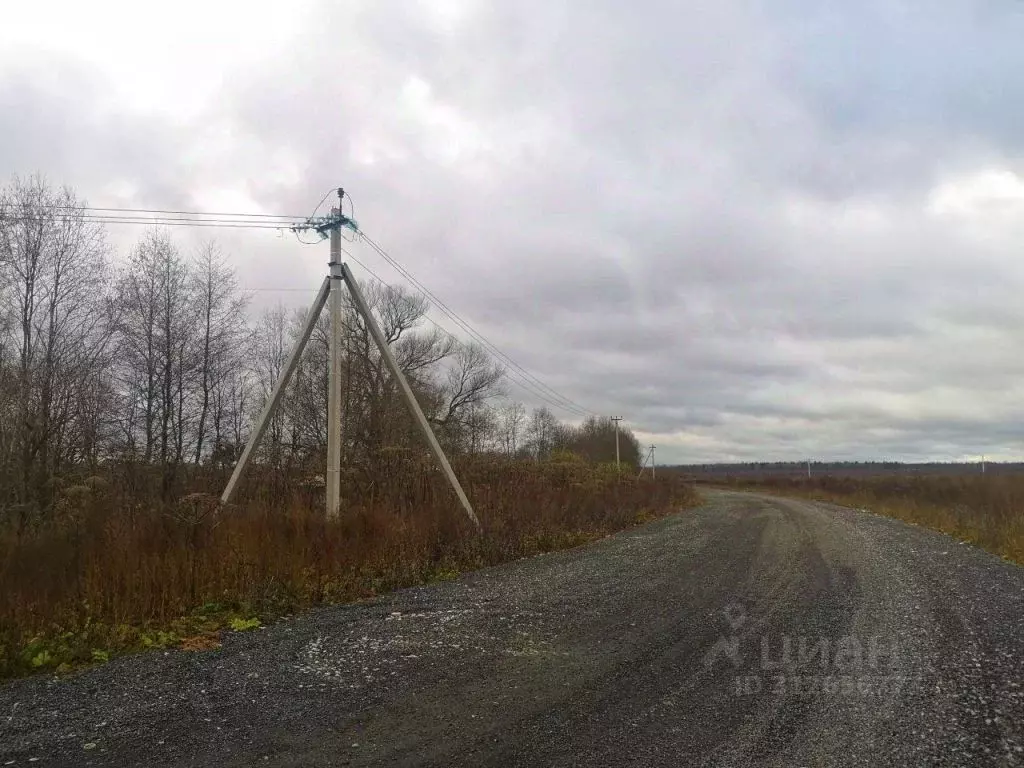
{"x":333,"y":477}
{"x":616,"y":419}
{"x":652,"y":463}
{"x":340,"y":274}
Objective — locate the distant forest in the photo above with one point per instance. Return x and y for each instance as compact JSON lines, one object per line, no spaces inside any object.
{"x":849,"y":468}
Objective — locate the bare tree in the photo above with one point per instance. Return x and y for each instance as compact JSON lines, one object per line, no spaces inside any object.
{"x":160,"y":353}
{"x":138,"y":318}
{"x":8,"y":378}
{"x":220,"y":307}
{"x":177,"y":361}
{"x":271,"y":345}
{"x":511,"y":424}
{"x":232,"y":398}
{"x":374,"y":414}
{"x":53,"y":264}
{"x":544,"y":433}
{"x":472,"y":378}
{"x":480,"y":426}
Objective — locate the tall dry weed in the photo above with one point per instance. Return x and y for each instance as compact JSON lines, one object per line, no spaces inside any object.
{"x":114,"y":569}
{"x":986,"y":510}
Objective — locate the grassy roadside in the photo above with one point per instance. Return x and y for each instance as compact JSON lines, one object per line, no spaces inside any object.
{"x":985,"y":511}
{"x":116,"y":577}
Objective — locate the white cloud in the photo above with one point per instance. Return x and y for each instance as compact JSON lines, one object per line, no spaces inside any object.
{"x":169,"y":59}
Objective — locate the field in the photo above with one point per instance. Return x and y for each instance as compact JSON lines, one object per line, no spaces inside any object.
{"x":117,"y":571}
{"x":984,"y":509}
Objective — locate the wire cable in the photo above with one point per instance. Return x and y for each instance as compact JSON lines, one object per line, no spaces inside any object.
{"x":150,"y":216}
{"x":512,"y":375}
{"x":163,"y":217}
{"x":322,"y":199}
{"x":150,"y":220}
{"x":564,"y":403}
{"x":181,"y":213}
{"x":517,"y":374}
{"x":568,"y":403}
{"x":160,"y":223}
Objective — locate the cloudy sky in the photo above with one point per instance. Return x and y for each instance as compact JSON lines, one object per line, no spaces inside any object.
{"x":756,"y":230}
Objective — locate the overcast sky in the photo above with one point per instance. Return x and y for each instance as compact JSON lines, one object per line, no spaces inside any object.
{"x":756,"y":230}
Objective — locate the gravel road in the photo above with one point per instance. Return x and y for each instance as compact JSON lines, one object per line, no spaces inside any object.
{"x":751,"y":631}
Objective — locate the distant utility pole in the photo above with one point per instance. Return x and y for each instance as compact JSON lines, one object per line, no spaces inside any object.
{"x":649,"y":456}
{"x":616,"y":419}
{"x":808,"y":467}
{"x":983,"y":464}
{"x":331,"y":288}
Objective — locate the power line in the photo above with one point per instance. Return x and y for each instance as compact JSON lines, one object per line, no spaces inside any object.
{"x":517,"y":374}
{"x":185,"y":213}
{"x":322,"y":199}
{"x":72,"y":209}
{"x":150,"y":216}
{"x":514,"y":377}
{"x":155,"y":221}
{"x":182,"y":219}
{"x":180,"y":223}
{"x":525,"y":379}
{"x":163,"y":217}
{"x":569,"y":404}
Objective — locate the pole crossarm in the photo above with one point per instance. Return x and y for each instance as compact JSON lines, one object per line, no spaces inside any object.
{"x":325,"y":225}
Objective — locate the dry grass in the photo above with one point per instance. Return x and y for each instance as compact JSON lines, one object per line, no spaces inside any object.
{"x":113,"y":571}
{"x":985,"y":510}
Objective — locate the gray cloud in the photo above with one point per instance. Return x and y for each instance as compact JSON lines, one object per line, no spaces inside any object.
{"x":55,"y":117}
{"x":718,"y":220}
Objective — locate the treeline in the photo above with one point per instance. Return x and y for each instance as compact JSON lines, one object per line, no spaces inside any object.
{"x":847,"y":468}
{"x":153,"y":358}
